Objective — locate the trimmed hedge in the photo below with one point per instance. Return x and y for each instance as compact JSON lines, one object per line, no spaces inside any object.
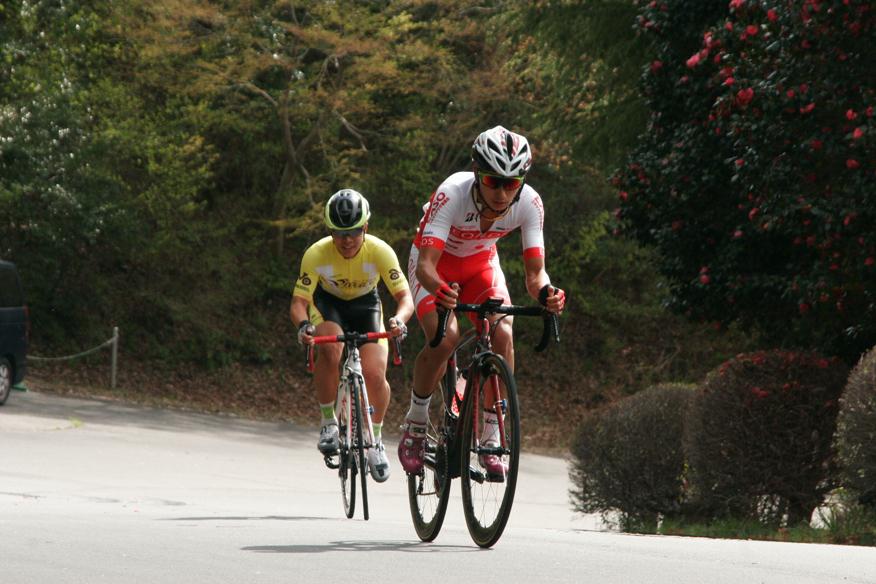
{"x":627,"y":457}
{"x":856,"y":430}
{"x":759,"y":437}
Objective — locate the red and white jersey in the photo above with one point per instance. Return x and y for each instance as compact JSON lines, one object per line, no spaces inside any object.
{"x":451,"y":221}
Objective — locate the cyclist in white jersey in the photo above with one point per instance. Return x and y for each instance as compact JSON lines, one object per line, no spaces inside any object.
{"x":456,"y":243}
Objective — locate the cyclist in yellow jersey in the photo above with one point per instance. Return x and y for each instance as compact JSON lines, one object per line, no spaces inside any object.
{"x":336,"y":292}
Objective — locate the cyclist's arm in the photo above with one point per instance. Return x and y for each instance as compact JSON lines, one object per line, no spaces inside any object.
{"x":404,"y":305}
{"x":537,"y":279}
{"x":536,"y":276}
{"x":298,"y":310}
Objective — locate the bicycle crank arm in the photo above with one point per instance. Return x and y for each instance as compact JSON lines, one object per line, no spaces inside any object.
{"x":476,"y":475}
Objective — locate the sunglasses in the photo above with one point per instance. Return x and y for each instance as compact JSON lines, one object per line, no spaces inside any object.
{"x":348,"y":232}
{"x":494,"y":181}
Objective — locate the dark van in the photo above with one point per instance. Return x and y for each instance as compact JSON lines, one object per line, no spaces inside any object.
{"x":14,"y":330}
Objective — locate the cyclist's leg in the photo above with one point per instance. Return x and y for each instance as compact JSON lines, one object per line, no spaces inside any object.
{"x":374,"y":357}
{"x":430,"y":362}
{"x":490,"y":283}
{"x":325,"y":315}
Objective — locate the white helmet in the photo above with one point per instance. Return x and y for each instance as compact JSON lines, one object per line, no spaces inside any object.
{"x":502,"y":152}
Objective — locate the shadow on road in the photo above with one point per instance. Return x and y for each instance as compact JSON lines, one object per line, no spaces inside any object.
{"x":360,"y":546}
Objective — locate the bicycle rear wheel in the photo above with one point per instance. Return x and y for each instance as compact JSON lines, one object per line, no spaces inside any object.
{"x":487,"y":496}
{"x":429,"y":491}
{"x":358,"y":443}
{"x":347,"y":466}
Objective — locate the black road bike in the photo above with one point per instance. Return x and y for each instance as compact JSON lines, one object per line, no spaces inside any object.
{"x":478,"y":382}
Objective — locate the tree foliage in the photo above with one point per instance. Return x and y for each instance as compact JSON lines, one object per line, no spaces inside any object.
{"x":756,"y":178}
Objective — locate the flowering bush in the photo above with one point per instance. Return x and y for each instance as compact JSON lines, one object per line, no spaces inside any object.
{"x":628,"y":457}
{"x":757,"y":177}
{"x":856,"y":430}
{"x":759,"y":434}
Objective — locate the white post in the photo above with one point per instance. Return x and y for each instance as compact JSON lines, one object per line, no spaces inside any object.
{"x":115,"y":358}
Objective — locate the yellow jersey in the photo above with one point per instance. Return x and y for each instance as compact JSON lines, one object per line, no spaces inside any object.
{"x":349,"y":278}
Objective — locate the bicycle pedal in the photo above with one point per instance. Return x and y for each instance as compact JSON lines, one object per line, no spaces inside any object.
{"x":329,"y":462}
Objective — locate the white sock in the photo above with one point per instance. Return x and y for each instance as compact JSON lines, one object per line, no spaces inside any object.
{"x":490,"y":432}
{"x":419,"y":410}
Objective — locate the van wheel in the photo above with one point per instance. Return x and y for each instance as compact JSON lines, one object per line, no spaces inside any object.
{"x":5,"y":380}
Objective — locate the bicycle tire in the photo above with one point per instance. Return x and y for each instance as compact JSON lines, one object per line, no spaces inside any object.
{"x":346,"y":456}
{"x":429,"y":491}
{"x":487,"y":499}
{"x":359,"y":444}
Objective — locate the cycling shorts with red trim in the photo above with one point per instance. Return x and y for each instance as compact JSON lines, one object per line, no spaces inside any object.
{"x":479,"y":277}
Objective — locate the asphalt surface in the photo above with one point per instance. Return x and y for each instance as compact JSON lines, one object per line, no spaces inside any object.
{"x":96,"y":491}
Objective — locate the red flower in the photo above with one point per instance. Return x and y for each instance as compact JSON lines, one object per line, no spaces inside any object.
{"x":803,"y":307}
{"x":858,"y":133}
{"x":759,"y":393}
{"x":656,"y":66}
{"x":729,"y":81}
{"x":816,"y":144}
{"x":694,"y":60}
{"x":736,"y":4}
{"x":807,"y":108}
{"x":869,"y":111}
{"x":851,"y":115}
{"x":852,"y":164}
{"x":623,"y":195}
{"x":704,"y":279}
{"x":870,"y":261}
{"x":737,"y":234}
{"x":790,"y":93}
{"x":740,"y":162}
{"x":753,"y":213}
{"x":771,"y":15}
{"x":752,"y":29}
{"x":744,"y":96}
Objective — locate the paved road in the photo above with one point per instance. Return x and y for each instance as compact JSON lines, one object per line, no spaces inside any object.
{"x":98,"y":492}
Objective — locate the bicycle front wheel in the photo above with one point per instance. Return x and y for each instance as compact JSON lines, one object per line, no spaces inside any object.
{"x":347,"y":466}
{"x":359,"y":444}
{"x":429,"y":491}
{"x":489,"y":455}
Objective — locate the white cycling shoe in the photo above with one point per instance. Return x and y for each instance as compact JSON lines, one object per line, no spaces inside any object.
{"x":329,"y":439}
{"x":378,"y":463}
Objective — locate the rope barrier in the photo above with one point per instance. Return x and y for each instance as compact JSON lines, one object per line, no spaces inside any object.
{"x":112,"y":342}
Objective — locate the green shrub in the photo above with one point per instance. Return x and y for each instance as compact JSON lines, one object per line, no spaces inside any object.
{"x":856,"y":430}
{"x":627,"y":457}
{"x":759,"y":434}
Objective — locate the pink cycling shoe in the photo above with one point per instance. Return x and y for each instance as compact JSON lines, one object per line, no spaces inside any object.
{"x":412,"y":447}
{"x":497,"y":469}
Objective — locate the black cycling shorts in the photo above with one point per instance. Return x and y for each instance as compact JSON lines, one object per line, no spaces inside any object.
{"x":363,"y":314}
